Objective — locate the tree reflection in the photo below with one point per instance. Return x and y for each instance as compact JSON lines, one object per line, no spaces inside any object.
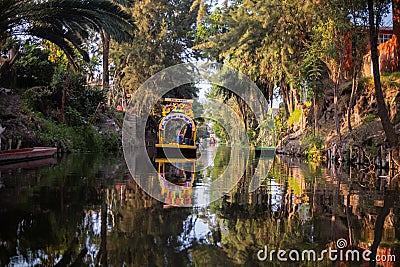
{"x":87,"y":210}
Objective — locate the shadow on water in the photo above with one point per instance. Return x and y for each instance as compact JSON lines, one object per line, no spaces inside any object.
{"x":86,"y":210}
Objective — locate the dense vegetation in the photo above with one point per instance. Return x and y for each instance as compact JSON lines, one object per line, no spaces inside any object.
{"x":70,"y":57}
{"x":313,"y":55}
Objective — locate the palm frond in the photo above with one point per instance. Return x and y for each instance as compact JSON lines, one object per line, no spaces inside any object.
{"x":67,"y":22}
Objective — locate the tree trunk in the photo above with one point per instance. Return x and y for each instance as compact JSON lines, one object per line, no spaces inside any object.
{"x":353,"y":91}
{"x":64,"y":94}
{"x":283,"y":89}
{"x":105,"y":40}
{"x":396,"y":17}
{"x":316,"y":126}
{"x":382,"y":109}
{"x":335,"y":104}
{"x":292,"y":99}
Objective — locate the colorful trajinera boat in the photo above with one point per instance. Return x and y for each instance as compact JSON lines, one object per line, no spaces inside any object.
{"x":177,"y":130}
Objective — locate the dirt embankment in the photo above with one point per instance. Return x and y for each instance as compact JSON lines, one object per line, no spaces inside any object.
{"x":27,"y":128}
{"x":367,"y":136}
{"x":17,"y":123}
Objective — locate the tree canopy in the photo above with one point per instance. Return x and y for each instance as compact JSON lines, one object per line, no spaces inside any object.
{"x":66,"y":23}
{"x":162,"y":39}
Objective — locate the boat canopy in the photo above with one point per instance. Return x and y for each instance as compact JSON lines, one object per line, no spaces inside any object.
{"x":176,"y":109}
{"x":171,"y":117}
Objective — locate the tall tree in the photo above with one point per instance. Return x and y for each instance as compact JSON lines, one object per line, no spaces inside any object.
{"x":63,"y":22}
{"x":162,"y":39}
{"x":331,"y":35}
{"x":375,"y":11}
{"x":263,"y":39}
{"x":105,"y":41}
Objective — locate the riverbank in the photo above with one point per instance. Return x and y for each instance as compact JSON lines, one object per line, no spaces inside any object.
{"x":31,"y":120}
{"x":25,"y":126}
{"x":363,"y":143}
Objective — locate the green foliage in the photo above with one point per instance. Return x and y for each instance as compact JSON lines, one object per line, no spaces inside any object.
{"x":78,"y":138}
{"x":201,"y":129}
{"x":220,"y":132}
{"x":86,"y":100}
{"x":162,"y":39}
{"x":252,"y":135}
{"x":91,"y":137}
{"x":370,"y":117}
{"x":295,"y":185}
{"x":65,"y":23}
{"x":280,"y":124}
{"x":80,"y":105}
{"x":33,"y":67}
{"x":291,"y":45}
{"x":112,"y":140}
{"x":373,"y":150}
{"x":262,"y":39}
{"x":310,"y":139}
{"x":50,"y":134}
{"x":294,"y":117}
{"x":313,"y":71}
{"x":396,"y":118}
{"x":209,"y":26}
{"x":313,"y":145}
{"x":8,"y":43}
{"x":40,"y":99}
{"x":81,"y":101}
{"x":74,"y":117}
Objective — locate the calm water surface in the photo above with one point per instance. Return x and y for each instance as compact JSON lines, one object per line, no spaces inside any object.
{"x":86,"y":210}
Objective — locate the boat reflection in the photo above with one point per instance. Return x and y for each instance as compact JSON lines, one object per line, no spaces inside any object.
{"x":176,"y":178}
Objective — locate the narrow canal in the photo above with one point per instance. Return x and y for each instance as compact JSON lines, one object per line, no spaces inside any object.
{"x":86,"y":209}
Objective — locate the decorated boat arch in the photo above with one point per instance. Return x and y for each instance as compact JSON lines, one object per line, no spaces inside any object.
{"x":177,"y":130}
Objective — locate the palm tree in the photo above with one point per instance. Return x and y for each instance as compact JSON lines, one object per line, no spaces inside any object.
{"x":105,"y":40}
{"x":65,"y":23}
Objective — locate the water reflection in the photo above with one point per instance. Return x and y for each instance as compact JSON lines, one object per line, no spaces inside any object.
{"x":87,"y":210}
{"x":176,"y":179}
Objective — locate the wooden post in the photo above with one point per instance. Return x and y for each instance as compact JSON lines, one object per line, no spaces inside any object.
{"x":9,"y":143}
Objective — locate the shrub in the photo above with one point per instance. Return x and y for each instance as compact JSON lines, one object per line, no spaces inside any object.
{"x":70,"y":139}
{"x":314,"y":145}
{"x":73,"y":117}
{"x":294,"y":117}
{"x":92,"y":139}
{"x":112,"y":140}
{"x":41,"y":98}
{"x":370,"y":117}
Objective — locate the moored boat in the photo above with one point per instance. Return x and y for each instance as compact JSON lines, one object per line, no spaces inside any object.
{"x":26,"y":154}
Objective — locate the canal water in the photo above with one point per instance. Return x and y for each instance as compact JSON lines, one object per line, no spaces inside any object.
{"x":86,"y":210}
